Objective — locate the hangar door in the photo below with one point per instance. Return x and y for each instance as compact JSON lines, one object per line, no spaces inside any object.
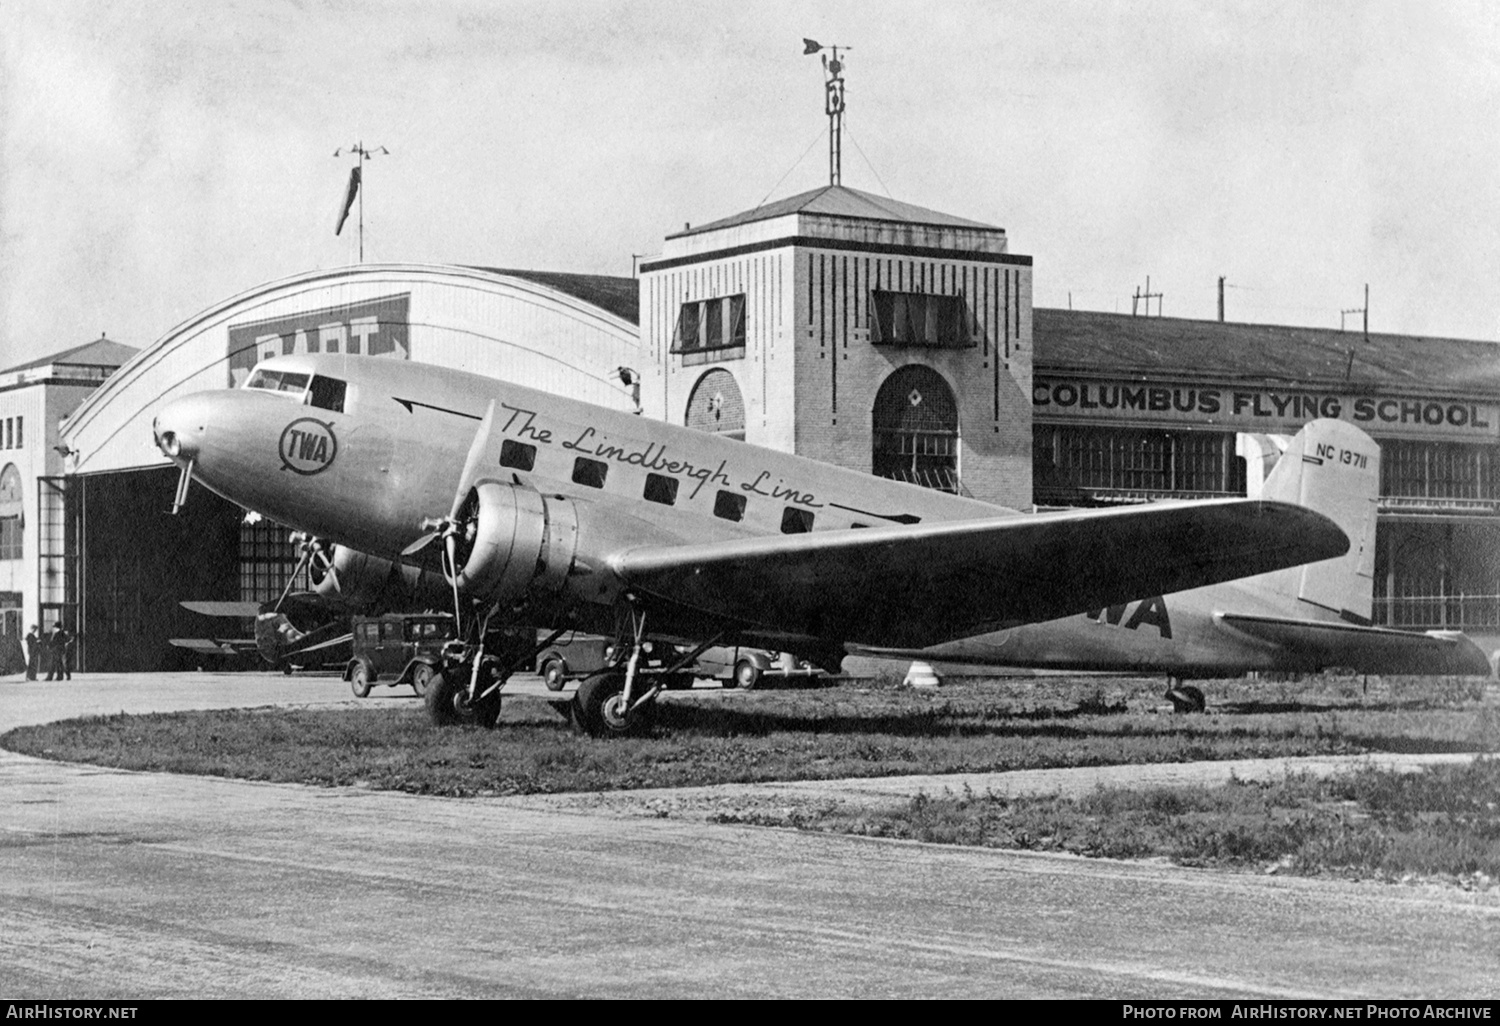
{"x":137,"y":562}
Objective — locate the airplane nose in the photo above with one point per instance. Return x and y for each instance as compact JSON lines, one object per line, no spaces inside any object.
{"x":179,"y":428}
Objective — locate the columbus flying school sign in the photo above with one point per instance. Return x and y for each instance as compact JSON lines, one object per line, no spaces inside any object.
{"x":377,"y":327}
{"x":1260,"y":410}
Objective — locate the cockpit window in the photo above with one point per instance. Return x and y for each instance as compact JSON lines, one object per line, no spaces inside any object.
{"x":278,"y":381}
{"x":327,"y":393}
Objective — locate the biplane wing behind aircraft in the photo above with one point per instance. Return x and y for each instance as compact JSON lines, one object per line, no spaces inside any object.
{"x":545,"y":511}
{"x":278,"y":641}
{"x":1302,"y":619}
{"x":304,"y":628}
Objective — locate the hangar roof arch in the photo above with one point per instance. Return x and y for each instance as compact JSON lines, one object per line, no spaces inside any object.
{"x":564,"y":333}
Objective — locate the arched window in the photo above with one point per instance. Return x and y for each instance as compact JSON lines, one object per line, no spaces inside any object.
{"x":10,"y":512}
{"x":916,"y":429}
{"x":716,"y":405}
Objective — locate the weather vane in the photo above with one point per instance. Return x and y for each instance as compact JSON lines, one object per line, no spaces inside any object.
{"x":833,"y":105}
{"x":356,"y":176}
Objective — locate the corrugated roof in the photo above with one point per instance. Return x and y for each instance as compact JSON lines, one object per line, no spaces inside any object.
{"x":619,"y":296}
{"x":841,"y":201}
{"x":101,"y":352}
{"x":1083,"y":341}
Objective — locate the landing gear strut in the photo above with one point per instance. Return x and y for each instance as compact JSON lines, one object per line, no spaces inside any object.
{"x":612,"y":704}
{"x":467,"y":687}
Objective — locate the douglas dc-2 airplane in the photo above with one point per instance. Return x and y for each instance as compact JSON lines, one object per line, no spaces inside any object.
{"x":560,"y":514}
{"x":1302,"y":619}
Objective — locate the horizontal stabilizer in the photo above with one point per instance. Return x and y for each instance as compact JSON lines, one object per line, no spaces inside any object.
{"x":244,"y":609}
{"x":929,"y":583}
{"x":1368,"y":649}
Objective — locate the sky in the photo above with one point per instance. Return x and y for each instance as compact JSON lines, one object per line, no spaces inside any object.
{"x":159,"y":157}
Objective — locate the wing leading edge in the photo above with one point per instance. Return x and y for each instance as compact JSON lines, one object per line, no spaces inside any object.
{"x":922,"y":585}
{"x":1367,"y":649}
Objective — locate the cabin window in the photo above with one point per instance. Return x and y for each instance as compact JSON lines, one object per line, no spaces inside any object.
{"x":518,"y":455}
{"x":390,"y":630}
{"x":858,"y":525}
{"x":796,"y":521}
{"x":590,"y":473}
{"x":327,"y":393}
{"x":662,"y":489}
{"x":729,"y":506}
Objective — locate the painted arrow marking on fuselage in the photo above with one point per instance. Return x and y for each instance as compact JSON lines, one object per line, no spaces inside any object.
{"x":410,"y":403}
{"x":896,"y":518}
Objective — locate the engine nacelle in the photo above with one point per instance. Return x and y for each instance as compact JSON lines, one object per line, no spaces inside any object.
{"x":364,"y":582}
{"x":515,"y":541}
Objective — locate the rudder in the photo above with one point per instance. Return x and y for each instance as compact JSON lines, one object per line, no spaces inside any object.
{"x":1332,"y":467}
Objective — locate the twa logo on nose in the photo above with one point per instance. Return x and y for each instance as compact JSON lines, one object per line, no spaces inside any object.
{"x":308,"y":446}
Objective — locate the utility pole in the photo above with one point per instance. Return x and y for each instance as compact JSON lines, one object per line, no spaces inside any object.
{"x":1364,"y":310}
{"x":1148,"y":295}
{"x":833,"y":106}
{"x":356,"y":189}
{"x":1221,"y":299}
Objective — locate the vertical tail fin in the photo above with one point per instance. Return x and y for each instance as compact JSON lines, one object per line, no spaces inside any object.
{"x":1333,"y":467}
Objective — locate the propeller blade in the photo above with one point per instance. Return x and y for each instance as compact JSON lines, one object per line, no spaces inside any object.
{"x":473,"y":461}
{"x":420,"y":544}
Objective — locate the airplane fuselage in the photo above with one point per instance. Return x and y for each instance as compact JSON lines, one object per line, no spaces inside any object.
{"x":1178,"y":634}
{"x":337,"y":473}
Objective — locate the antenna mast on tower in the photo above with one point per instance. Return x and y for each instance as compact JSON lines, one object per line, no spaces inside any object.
{"x":833,"y":106}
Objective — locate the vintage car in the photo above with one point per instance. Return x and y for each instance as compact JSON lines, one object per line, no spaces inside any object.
{"x":396,"y":649}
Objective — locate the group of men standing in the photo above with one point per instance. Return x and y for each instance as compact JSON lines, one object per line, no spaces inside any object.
{"x":59,"y":647}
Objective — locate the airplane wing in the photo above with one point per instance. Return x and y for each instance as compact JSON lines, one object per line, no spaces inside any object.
{"x":928,"y":583}
{"x":1368,"y":649}
{"x":215,"y":646}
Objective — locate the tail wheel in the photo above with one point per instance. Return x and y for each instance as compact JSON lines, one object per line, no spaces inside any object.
{"x":1186,"y":698}
{"x":746,"y":674}
{"x":421,"y":679}
{"x":359,"y":680}
{"x":599,"y":708}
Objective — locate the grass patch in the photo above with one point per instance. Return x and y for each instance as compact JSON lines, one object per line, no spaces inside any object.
{"x":709,"y":737}
{"x":1443,"y":821}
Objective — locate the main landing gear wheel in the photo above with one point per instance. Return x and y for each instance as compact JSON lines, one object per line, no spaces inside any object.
{"x":421,"y":679}
{"x":1185,"y":698}
{"x":598,"y":708}
{"x":448,"y":703}
{"x":359,"y":680}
